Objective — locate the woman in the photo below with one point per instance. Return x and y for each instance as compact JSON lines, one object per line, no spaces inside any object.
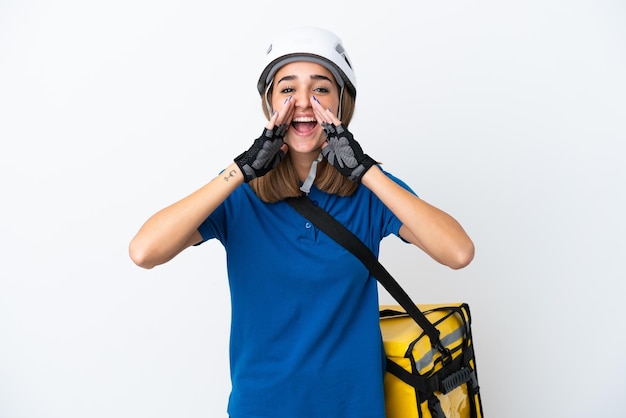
{"x":305,"y":337}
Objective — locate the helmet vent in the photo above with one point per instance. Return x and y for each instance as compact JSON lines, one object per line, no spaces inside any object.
{"x":341,"y":51}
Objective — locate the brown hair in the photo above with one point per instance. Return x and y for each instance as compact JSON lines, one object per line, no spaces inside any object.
{"x":283,"y":182}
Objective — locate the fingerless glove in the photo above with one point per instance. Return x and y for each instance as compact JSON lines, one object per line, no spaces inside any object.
{"x":344,"y":153}
{"x":264,"y":154}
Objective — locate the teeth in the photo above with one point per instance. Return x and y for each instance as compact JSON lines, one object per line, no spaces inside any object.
{"x":304,"y":119}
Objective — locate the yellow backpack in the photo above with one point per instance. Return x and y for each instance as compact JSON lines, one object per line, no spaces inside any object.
{"x":423,"y":381}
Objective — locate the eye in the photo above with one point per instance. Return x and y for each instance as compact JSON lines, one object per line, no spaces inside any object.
{"x":287,"y":90}
{"x":321,"y":89}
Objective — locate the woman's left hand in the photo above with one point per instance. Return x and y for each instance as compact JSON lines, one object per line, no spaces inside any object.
{"x":341,"y":149}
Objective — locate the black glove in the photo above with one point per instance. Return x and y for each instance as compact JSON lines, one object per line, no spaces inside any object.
{"x":344,"y":153}
{"x":264,"y":154}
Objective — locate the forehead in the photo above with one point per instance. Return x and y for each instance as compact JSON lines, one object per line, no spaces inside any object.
{"x":304,"y":70}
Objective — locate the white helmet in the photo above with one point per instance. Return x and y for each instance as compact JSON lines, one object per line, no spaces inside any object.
{"x":309,"y":44}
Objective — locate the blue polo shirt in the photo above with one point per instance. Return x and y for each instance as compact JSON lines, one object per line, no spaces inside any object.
{"x":305,"y":336}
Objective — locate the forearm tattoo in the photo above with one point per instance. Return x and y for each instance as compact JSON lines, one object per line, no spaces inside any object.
{"x":230,"y":175}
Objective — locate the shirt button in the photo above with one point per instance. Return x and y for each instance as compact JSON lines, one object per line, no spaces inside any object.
{"x":307,"y":225}
{"x":315,"y":203}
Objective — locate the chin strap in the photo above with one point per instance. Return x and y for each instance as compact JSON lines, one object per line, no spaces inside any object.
{"x":306,"y":186}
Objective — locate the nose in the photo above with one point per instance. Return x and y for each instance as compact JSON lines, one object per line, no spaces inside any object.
{"x":302,"y":98}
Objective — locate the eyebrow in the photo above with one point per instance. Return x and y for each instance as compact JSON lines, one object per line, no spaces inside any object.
{"x":313,"y":77}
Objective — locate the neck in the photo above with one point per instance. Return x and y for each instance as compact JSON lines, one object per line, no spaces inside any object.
{"x":308,"y":181}
{"x":302,"y":164}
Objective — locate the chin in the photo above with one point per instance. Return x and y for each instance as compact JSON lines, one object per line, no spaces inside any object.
{"x":304,"y":144}
{"x":304,"y":148}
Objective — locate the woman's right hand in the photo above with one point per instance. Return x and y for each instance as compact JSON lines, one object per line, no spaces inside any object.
{"x":269,"y":149}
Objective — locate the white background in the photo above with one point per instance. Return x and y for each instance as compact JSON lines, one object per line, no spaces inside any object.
{"x":508,"y":115}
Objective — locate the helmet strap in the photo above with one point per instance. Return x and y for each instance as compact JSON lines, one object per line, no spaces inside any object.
{"x":308,"y":182}
{"x":340,"y":104}
{"x":268,"y":105}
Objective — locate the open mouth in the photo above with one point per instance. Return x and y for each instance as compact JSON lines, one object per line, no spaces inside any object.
{"x":304,"y":125}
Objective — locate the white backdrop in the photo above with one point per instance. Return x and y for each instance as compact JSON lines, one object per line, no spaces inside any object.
{"x":510,"y":116}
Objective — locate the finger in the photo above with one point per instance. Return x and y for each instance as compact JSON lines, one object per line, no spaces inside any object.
{"x":272,"y":122}
{"x":333,"y":118}
{"x":320,"y":114}
{"x":286,"y":112}
{"x":323,"y":114}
